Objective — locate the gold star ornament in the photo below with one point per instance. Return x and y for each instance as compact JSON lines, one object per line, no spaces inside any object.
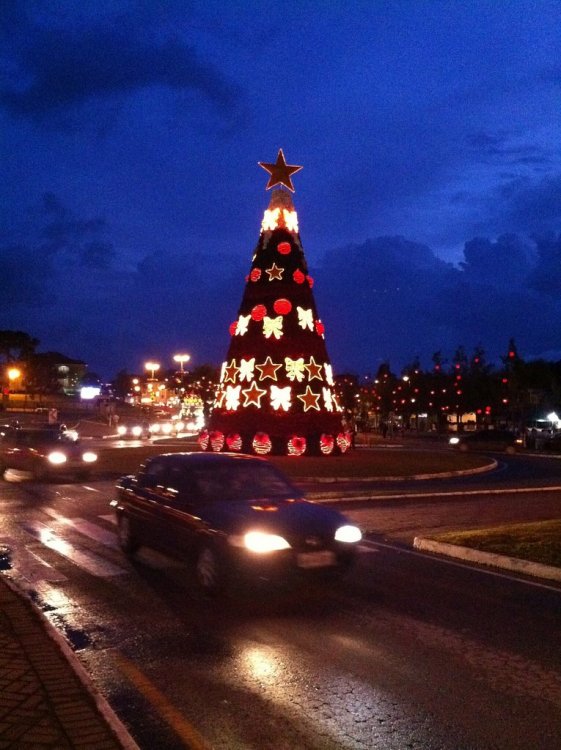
{"x":280,"y":172}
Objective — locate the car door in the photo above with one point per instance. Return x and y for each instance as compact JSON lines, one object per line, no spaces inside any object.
{"x":180,"y":524}
{"x":145,"y":505}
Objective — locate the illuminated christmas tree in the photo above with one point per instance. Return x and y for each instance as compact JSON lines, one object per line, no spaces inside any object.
{"x":276,"y":392}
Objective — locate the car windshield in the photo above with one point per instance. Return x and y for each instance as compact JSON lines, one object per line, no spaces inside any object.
{"x":40,"y":437}
{"x":241,"y":481}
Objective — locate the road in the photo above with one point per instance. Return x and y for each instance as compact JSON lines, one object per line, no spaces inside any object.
{"x":410,"y":652}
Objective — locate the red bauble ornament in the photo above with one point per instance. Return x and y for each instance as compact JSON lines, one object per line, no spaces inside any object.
{"x":320,"y":328}
{"x":326,"y":444}
{"x":255,"y":275}
{"x":296,"y":446}
{"x":234,"y":442}
{"x":298,"y":276}
{"x":310,"y":281}
{"x":284,"y":248}
{"x":203,"y":439}
{"x":217,"y":441}
{"x":282,"y":306}
{"x":233,"y":327}
{"x":262,"y":443}
{"x":344,"y":441}
{"x":258,"y":312}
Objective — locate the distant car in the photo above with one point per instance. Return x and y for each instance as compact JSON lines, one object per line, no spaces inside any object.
{"x":488,"y":440}
{"x":44,"y":452}
{"x":133,"y":430}
{"x":231,"y":515}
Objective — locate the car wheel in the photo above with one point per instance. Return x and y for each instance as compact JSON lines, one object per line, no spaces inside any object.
{"x":209,"y":570}
{"x":127,"y":540}
{"x":39,"y":473}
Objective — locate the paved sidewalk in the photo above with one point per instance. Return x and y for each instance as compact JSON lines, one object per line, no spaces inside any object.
{"x":45,"y":699}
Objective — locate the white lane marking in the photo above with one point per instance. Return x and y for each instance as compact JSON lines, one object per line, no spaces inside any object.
{"x":29,"y":564}
{"x":451,"y":493}
{"x":84,"y":559}
{"x":473,"y":567}
{"x":91,"y":530}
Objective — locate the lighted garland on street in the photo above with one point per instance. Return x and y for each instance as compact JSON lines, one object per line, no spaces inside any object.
{"x":276,"y":392}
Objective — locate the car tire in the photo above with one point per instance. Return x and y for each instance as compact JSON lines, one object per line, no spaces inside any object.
{"x":39,"y":473}
{"x":127,"y":540}
{"x":210,"y":570}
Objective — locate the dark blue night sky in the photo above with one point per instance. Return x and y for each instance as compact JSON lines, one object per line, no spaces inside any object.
{"x":429,"y":203}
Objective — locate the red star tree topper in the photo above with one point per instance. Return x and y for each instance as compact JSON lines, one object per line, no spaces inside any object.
{"x":276,"y":392}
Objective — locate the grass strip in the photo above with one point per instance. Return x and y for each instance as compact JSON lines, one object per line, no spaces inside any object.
{"x":539,"y":541}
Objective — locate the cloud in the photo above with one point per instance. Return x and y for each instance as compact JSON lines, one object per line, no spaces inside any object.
{"x":59,"y":70}
{"x":392,"y":299}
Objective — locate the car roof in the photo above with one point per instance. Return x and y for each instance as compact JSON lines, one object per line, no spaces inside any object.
{"x":199,"y":458}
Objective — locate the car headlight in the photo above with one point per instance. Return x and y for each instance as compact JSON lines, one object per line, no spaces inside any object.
{"x":454,"y":440}
{"x":349,"y":534}
{"x":179,"y":426}
{"x":89,"y":457}
{"x":154,"y":428}
{"x":57,"y":458}
{"x":166,"y":428}
{"x":136,"y":431}
{"x":260,"y":542}
{"x":121,"y":430}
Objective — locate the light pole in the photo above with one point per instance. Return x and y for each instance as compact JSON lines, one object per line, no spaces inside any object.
{"x":153,"y":367}
{"x":181,"y":358}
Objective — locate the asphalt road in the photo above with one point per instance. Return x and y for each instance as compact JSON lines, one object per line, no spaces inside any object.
{"x":410,"y":652}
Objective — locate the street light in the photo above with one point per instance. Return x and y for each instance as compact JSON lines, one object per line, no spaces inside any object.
{"x":181,"y":358}
{"x":14,"y":374}
{"x":153,"y":367}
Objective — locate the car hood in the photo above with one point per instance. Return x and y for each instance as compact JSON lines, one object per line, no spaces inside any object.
{"x":281,"y":516}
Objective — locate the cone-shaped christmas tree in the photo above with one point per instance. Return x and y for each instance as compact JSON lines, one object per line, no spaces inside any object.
{"x":276,"y":392}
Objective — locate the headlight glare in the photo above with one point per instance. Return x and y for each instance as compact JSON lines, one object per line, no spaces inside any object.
{"x":262,"y":542}
{"x":89,"y":457}
{"x":349,"y":534}
{"x":454,"y":440}
{"x":57,"y":458}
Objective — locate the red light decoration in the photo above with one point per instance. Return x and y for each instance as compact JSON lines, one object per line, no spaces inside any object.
{"x":258,"y":312}
{"x":512,"y":355}
{"x":296,"y":446}
{"x":310,"y":281}
{"x":320,"y":328}
{"x":233,"y":328}
{"x":262,"y":443}
{"x":217,"y":441}
{"x":284,"y":248}
{"x":282,"y":306}
{"x":204,"y":439}
{"x":326,"y":444}
{"x":234,"y":442}
{"x":344,"y":441}
{"x":255,"y":275}
{"x":298,"y":276}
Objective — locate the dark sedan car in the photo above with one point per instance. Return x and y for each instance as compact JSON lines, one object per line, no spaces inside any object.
{"x":44,"y":452}
{"x":231,"y":515}
{"x":488,"y":440}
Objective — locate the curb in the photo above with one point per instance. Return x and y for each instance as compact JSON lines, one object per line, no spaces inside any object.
{"x":342,"y":495}
{"x":491,"y":559}
{"x":109,"y":716}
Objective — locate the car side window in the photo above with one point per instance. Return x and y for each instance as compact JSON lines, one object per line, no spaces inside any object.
{"x":153,"y":475}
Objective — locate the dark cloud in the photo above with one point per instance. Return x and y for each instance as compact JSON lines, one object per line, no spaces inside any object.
{"x":391,"y":299}
{"x":58,"y":70}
